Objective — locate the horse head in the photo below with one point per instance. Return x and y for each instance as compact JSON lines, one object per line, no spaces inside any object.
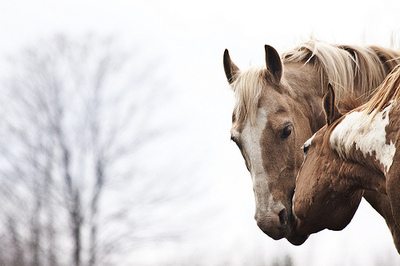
{"x":269,"y":126}
{"x":325,"y":198}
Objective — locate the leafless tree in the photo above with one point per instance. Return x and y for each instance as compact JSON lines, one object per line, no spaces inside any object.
{"x":285,"y":261}
{"x":75,"y":114}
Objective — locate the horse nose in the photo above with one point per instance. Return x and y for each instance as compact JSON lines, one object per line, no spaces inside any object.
{"x":274,"y":223}
{"x":283,"y":217}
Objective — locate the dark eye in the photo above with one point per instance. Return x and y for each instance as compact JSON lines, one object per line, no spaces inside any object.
{"x":286,"y":131}
{"x":233,"y":138}
{"x":237,"y":142}
{"x":305,"y":149}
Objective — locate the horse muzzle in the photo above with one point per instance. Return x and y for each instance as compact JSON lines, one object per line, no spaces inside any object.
{"x":280,"y":224}
{"x":274,"y":223}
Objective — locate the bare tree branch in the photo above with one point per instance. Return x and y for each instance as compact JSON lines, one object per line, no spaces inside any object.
{"x":76,"y":113}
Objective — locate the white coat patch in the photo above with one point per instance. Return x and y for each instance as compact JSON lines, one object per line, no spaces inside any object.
{"x":368,"y":135}
{"x":309,"y":141}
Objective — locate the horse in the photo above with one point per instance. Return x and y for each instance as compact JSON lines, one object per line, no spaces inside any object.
{"x":357,"y":151}
{"x":278,"y":107}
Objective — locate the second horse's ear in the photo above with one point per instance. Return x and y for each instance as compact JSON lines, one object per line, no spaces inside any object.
{"x":331,"y":111}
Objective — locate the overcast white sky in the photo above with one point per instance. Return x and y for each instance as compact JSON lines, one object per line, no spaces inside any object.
{"x":190,"y":37}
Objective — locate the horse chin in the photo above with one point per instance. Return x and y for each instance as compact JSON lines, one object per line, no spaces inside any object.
{"x":293,"y":236}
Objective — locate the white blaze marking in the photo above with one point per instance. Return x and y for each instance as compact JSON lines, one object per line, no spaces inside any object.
{"x":251,"y":137}
{"x":369,"y":136}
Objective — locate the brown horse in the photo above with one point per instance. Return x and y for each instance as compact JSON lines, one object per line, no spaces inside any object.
{"x":354,"y":152}
{"x":278,"y":108}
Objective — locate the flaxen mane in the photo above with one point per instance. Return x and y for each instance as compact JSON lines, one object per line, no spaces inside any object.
{"x":335,"y":65}
{"x":352,"y":70}
{"x":388,"y":91}
{"x":388,"y":57}
{"x":368,"y":67}
{"x":358,"y":70}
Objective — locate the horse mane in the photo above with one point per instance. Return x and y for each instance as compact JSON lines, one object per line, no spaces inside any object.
{"x":347,"y":104}
{"x":388,"y":57}
{"x":351,"y":70}
{"x":388,"y":91}
{"x":369,"y":68}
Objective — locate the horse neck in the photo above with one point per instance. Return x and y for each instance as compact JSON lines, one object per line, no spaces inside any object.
{"x":360,"y":162}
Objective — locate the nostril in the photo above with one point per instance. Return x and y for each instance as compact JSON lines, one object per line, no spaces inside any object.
{"x":283,"y":216}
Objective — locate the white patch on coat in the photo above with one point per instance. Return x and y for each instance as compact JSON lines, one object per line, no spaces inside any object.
{"x":308,"y":142}
{"x":368,"y":135}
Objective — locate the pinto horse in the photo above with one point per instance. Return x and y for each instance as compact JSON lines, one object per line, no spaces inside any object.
{"x":353,"y":152}
{"x":278,"y":108}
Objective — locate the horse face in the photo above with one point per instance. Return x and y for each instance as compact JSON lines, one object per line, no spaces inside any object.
{"x":269,"y":133}
{"x":270,"y":147}
{"x":322,"y":198}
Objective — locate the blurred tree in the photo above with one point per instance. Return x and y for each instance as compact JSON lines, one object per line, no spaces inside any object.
{"x":285,"y":261}
{"x":75,"y":114}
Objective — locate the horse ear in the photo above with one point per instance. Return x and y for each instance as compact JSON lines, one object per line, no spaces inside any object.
{"x":331,"y":111}
{"x":231,"y":70}
{"x":273,"y":62}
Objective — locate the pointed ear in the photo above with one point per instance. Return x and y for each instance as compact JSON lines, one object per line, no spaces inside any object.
{"x":231,"y":70}
{"x":331,"y":111}
{"x":273,"y":62}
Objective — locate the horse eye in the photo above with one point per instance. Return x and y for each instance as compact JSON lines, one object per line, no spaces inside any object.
{"x":233,"y":138}
{"x":286,"y":131}
{"x":237,"y":142}
{"x":305,"y":149}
